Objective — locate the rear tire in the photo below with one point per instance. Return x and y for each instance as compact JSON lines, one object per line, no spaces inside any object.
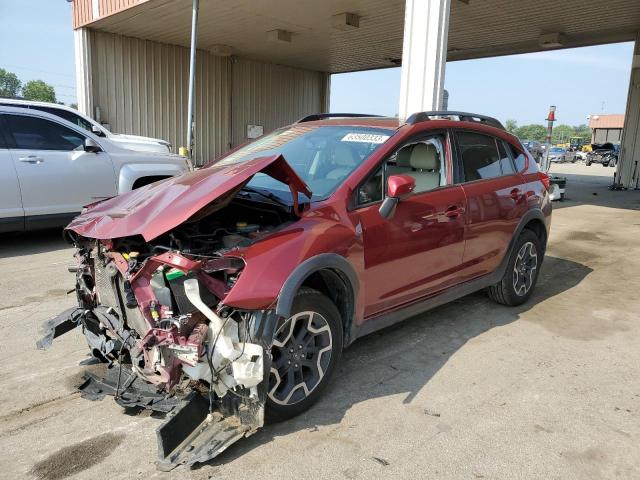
{"x":519,"y":280}
{"x":306,"y":349}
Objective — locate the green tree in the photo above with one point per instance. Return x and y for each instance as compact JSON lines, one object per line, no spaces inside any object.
{"x":531,"y":132}
{"x":511,"y":126}
{"x":562,"y":133}
{"x":9,"y":84}
{"x":39,"y":90}
{"x":584,"y":132}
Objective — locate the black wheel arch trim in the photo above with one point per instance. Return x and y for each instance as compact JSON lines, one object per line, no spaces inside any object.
{"x":533,"y":214}
{"x":323,"y":261}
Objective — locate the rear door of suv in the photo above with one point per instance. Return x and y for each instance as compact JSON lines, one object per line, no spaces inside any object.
{"x":495,"y":199}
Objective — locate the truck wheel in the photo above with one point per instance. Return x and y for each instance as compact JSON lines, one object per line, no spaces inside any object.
{"x":306,"y":349}
{"x":521,"y":274}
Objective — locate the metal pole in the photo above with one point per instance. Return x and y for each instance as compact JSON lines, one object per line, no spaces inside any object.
{"x":192,"y":75}
{"x":550,"y":119}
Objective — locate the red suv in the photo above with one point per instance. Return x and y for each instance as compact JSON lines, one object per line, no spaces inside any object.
{"x":229,"y":293}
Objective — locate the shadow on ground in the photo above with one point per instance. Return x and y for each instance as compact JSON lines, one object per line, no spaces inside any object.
{"x":31,"y":243}
{"x":402,"y":359}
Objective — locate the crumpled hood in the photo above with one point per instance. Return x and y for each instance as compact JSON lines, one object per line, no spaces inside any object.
{"x":155,"y":209}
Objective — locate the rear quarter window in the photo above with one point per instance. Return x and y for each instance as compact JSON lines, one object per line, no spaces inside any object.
{"x":519,"y":158}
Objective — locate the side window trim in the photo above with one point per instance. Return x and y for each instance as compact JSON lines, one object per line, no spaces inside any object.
{"x":4,"y":137}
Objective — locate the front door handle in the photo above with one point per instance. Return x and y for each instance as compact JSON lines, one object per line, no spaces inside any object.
{"x":31,"y":159}
{"x":454,"y":211}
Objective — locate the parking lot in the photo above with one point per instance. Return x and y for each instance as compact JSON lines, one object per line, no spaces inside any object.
{"x":472,"y":390}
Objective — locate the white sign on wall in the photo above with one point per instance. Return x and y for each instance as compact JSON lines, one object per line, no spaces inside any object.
{"x":255,"y":131}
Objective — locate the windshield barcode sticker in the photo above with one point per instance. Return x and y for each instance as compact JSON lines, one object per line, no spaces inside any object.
{"x":365,"y":138}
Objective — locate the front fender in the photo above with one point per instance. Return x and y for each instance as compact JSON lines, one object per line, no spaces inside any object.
{"x":306,"y":268}
{"x":274,"y":266}
{"x":130,"y":172}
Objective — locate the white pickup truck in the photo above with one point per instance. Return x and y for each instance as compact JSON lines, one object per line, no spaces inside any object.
{"x":50,"y":168}
{"x":132,"y":142}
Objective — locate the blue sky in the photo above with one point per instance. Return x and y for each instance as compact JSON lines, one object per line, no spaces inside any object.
{"x":578,"y":81}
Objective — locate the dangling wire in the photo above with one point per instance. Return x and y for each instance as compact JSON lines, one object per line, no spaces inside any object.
{"x":119,"y":371}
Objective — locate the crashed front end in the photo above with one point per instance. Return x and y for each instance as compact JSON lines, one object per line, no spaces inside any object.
{"x":160,"y":317}
{"x":151,"y":306}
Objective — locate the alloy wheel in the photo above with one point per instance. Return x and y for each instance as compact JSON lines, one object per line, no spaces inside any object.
{"x":301,"y":354}
{"x":524,"y":269}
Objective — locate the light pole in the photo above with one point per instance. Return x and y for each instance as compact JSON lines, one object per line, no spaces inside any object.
{"x":550,"y":119}
{"x":192,"y":76}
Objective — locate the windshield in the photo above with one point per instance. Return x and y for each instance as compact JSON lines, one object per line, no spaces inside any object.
{"x":322,"y":156}
{"x":556,"y":150}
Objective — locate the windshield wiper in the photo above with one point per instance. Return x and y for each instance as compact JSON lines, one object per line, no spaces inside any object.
{"x":268,"y":195}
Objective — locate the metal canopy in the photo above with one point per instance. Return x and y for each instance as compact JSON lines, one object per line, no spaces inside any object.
{"x":478,"y":28}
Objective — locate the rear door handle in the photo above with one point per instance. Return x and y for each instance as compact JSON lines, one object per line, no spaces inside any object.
{"x":454,"y":211}
{"x":31,"y":159}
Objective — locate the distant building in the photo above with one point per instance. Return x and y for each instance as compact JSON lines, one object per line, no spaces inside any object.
{"x":445,"y":100}
{"x":606,"y":128}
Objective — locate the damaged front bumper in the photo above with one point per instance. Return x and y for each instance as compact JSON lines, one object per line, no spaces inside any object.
{"x":207,"y":369}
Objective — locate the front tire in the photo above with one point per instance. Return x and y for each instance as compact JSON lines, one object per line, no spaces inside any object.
{"x":306,"y":349}
{"x":518,"y":282}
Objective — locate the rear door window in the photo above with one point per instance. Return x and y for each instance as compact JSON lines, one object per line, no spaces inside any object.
{"x":479,"y":156}
{"x":33,"y":133}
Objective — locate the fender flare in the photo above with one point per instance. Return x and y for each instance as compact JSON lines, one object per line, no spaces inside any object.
{"x":301,"y":272}
{"x":533,"y":214}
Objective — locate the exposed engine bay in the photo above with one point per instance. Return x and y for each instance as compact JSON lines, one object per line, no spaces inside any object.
{"x":154,"y":313}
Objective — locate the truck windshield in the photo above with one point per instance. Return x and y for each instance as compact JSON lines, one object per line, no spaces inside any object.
{"x":322,"y":156}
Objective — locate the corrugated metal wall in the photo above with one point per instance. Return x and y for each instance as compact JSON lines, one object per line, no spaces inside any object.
{"x":140,"y":88}
{"x":272,"y":96}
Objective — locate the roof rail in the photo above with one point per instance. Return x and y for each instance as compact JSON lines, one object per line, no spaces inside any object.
{"x":322,"y":116}
{"x":462,"y":117}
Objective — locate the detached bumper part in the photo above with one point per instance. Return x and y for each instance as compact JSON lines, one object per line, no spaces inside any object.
{"x":192,"y":435}
{"x":63,"y":323}
{"x":129,"y":391}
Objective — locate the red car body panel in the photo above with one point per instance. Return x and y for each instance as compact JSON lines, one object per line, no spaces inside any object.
{"x":417,"y":253}
{"x":155,"y":209}
{"x":435,"y":240}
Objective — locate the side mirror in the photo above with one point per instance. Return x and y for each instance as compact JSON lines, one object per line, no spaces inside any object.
{"x":399,"y":187}
{"x":97,"y":131}
{"x":91,"y":146}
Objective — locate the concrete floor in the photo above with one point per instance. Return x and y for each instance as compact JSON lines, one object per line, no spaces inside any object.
{"x":470,"y":390}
